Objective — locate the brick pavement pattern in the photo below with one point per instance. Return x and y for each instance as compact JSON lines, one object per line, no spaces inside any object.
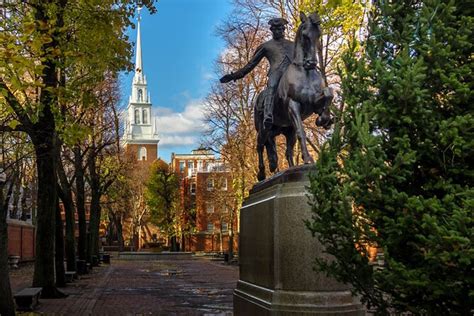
{"x":170,"y":287}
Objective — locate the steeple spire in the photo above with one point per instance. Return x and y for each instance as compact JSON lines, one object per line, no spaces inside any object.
{"x":138,"y":57}
{"x":140,"y":124}
{"x":139,"y":85}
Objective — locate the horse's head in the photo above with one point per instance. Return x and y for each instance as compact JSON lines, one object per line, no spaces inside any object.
{"x":308,"y":34}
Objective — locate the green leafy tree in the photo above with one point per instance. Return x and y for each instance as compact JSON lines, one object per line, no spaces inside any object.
{"x":397,"y":173}
{"x":341,"y":21}
{"x":47,"y":49}
{"x":162,"y":192}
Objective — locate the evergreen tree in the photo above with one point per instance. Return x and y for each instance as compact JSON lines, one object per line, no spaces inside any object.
{"x":397,"y":173}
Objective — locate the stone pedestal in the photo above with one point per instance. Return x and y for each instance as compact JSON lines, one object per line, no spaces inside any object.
{"x":277,"y":254}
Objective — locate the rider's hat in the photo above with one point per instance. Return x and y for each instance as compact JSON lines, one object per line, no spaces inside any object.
{"x":277,"y":22}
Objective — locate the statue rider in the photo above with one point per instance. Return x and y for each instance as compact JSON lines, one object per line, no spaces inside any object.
{"x":279,"y":52}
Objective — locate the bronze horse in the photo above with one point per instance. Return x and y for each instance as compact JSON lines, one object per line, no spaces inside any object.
{"x":301,"y":92}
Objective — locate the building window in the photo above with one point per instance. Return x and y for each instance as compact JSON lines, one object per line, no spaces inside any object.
{"x":210,"y":184}
{"x":193,"y":188}
{"x":142,"y":153}
{"x":181,"y":166}
{"x":145,"y":116}
{"x":210,"y":227}
{"x":224,"y":226}
{"x":140,"y":95}
{"x":224,"y":184}
{"x":209,"y":208}
{"x":137,"y":116}
{"x":225,"y":209}
{"x":190,"y":164}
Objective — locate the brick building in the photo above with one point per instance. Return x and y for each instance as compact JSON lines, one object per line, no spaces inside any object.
{"x":206,"y":201}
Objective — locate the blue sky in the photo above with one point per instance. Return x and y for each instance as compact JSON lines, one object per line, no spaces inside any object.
{"x":179,"y":48}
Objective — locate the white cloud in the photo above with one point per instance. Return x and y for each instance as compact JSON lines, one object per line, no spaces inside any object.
{"x":206,"y":76}
{"x":180,"y":128}
{"x":177,"y":140}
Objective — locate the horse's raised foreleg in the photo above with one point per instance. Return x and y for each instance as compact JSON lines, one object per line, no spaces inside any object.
{"x":290,"y":136}
{"x":324,"y":118}
{"x":295,"y":115}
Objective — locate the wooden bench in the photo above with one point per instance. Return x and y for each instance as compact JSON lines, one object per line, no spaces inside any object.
{"x":28,"y":298}
{"x":69,"y":276}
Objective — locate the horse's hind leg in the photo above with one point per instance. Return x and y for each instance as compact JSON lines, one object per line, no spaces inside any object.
{"x":261,"y":164}
{"x":272,"y":155}
{"x":295,"y":115}
{"x":290,"y":136}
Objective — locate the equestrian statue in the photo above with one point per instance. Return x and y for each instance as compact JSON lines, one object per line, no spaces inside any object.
{"x":295,"y":90}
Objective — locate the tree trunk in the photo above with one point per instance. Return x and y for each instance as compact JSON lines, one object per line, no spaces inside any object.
{"x":94,"y":220}
{"x":118,"y":222}
{"x":139,"y":243}
{"x":24,"y":206}
{"x":183,"y":242}
{"x":70,"y":235}
{"x":231,"y":244}
{"x":221,"y":241}
{"x":47,"y":195}
{"x":231,"y":235}
{"x":15,"y":213}
{"x":7,"y":307}
{"x":66,"y":198}
{"x":174,"y":246}
{"x":80,"y":203}
{"x":59,"y":254}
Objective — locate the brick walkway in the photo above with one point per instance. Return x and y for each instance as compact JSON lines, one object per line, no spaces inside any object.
{"x":178,"y":287}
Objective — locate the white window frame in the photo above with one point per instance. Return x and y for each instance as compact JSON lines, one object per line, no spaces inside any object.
{"x":142,"y":150}
{"x":210,"y":227}
{"x":140,"y":95}
{"x":210,"y":184}
{"x":137,"y":116}
{"x":224,"y":184}
{"x":145,"y":116}
{"x":224,"y":227}
{"x":225,"y":209}
{"x":210,"y":209}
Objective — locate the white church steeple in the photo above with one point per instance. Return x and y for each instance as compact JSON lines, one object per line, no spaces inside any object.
{"x":139,"y":87}
{"x":140,"y":125}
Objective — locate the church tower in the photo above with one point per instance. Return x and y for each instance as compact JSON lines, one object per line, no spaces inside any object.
{"x":140,"y":136}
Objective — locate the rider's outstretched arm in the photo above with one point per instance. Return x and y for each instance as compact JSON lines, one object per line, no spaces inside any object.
{"x":256,"y":58}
